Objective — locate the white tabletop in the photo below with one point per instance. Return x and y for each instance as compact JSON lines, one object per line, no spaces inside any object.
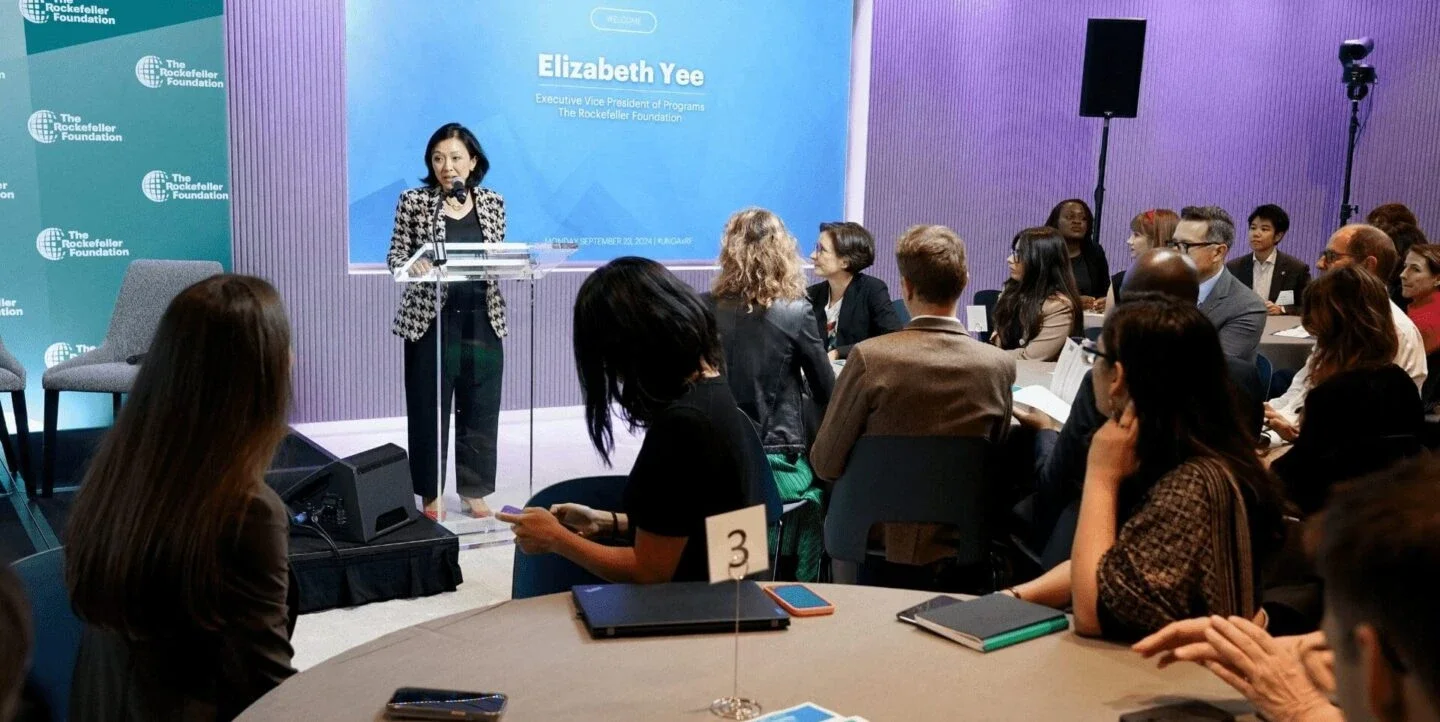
{"x":860,"y":661}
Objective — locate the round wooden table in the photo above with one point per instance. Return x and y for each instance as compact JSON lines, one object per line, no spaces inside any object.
{"x":859,"y":661}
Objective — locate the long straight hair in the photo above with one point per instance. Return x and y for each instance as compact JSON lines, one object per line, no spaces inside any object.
{"x":640,"y":335}
{"x":1178,"y":380}
{"x":1045,"y":273}
{"x":164,"y":499}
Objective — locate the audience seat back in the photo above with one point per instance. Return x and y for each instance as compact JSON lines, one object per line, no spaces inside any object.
{"x":57,"y":629}
{"x":540,"y":574}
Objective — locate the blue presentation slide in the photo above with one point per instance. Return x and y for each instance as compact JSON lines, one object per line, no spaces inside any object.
{"x":630,"y":130}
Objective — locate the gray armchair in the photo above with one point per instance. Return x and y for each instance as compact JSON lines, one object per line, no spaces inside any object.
{"x":12,"y":381}
{"x":146,"y":292}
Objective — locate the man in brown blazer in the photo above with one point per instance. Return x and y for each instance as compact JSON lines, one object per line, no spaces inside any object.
{"x":928,"y":379}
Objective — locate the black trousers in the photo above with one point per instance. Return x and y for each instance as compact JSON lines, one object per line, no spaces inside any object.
{"x":474,"y":363}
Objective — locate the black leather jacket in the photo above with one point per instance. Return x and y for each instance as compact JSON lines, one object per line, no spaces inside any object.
{"x":772,"y":356}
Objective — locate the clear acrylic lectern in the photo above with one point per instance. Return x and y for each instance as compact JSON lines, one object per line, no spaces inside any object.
{"x":480,"y":263}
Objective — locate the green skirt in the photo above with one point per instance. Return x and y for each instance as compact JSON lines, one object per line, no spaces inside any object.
{"x":804,"y":527}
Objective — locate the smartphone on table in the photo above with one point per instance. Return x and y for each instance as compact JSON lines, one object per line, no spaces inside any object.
{"x":799,"y":600}
{"x":423,"y":703}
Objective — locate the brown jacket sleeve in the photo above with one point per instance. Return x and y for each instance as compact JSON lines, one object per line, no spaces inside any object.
{"x":844,"y":419}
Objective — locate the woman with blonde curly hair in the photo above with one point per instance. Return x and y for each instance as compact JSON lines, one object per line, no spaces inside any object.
{"x":775,"y":362}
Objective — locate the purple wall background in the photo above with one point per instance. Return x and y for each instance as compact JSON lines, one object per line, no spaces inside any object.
{"x":972,"y":124}
{"x":974,"y":117}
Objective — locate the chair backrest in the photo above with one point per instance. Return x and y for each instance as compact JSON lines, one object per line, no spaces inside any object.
{"x":147,"y":290}
{"x":900,"y":310}
{"x":987,"y":298}
{"x":540,"y":574}
{"x":9,"y":363}
{"x":1266,"y":370}
{"x":1430,"y":392}
{"x":940,"y":479}
{"x":760,"y":485}
{"x":57,"y":630}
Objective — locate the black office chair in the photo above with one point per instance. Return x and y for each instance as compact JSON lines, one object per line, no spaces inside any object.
{"x":536,"y":575}
{"x":925,"y":479}
{"x":901,"y":310}
{"x":57,"y":630}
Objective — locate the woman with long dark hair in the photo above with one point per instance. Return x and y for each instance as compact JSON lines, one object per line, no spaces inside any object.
{"x":645,"y":342}
{"x":1091,"y":269}
{"x":176,"y":557}
{"x":1039,"y":307}
{"x":1177,"y":514}
{"x":1347,"y":310}
{"x":451,"y":207}
{"x":775,"y":362}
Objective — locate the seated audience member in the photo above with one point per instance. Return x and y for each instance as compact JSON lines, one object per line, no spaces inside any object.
{"x":1088,"y":264}
{"x":645,"y":342}
{"x":1178,"y":515}
{"x":15,"y":641}
{"x":929,"y":379}
{"x":849,"y":305}
{"x":1419,"y":278}
{"x":1378,"y":656}
{"x":1060,"y":450}
{"x":1400,"y":224}
{"x":1039,"y":308}
{"x":1152,"y":229}
{"x":1369,"y":248}
{"x":1266,"y":270}
{"x":1205,"y":234}
{"x":176,"y":559}
{"x":772,"y":355}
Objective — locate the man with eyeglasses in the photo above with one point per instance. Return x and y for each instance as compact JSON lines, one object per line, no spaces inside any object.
{"x":1205,"y":234}
{"x":1369,"y":248}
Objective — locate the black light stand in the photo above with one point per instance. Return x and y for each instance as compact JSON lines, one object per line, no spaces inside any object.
{"x":1358,"y":78}
{"x":1100,"y":182}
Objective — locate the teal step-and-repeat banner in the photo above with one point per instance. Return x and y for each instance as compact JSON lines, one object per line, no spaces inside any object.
{"x":113,"y":147}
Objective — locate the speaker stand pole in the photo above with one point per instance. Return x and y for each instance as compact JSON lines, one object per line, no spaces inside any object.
{"x":1348,"y":210}
{"x":1100,"y":184}
{"x":532,"y":388}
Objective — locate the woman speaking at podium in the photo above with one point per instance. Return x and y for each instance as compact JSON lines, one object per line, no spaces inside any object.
{"x":451,"y":207}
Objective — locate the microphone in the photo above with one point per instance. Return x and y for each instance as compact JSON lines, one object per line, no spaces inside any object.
{"x":457,"y":189}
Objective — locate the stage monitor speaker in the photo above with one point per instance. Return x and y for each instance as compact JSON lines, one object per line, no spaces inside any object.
{"x":1114,"y":52}
{"x":358,"y":498}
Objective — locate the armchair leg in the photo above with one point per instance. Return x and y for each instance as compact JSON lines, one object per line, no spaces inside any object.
{"x":52,"y":420}
{"x":22,"y":432}
{"x":12,"y":462}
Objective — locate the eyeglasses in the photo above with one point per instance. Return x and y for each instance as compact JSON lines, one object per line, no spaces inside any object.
{"x":1331,"y":256}
{"x":1185,"y":247}
{"x":1090,"y":351}
{"x":821,"y":250}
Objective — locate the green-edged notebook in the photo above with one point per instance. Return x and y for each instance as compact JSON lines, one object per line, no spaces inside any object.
{"x":992,"y":622}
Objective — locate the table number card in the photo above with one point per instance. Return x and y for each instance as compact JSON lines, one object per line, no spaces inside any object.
{"x":738,"y":544}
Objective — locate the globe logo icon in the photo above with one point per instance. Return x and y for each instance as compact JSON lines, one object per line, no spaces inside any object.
{"x":147,"y":71}
{"x":34,"y":11}
{"x":153,"y":184}
{"x":59,"y":353}
{"x":51,"y":244}
{"x":42,"y":126}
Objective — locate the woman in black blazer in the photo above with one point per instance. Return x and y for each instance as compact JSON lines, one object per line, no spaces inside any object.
{"x":849,"y":305}
{"x":472,"y":325}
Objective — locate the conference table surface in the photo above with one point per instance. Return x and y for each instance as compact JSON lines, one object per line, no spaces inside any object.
{"x":858,"y":661}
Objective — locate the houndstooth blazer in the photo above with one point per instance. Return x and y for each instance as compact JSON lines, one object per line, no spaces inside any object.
{"x":418,"y":221}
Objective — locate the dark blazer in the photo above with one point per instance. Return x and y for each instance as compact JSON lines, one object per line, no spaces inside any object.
{"x":1291,"y":274}
{"x":771,"y":356}
{"x":192,"y":674}
{"x":1096,"y":281}
{"x":1238,"y":315}
{"x":418,"y":220}
{"x":867,"y":311}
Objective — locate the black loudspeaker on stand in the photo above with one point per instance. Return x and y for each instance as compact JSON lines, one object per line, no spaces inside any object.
{"x":1114,"y":53}
{"x":358,"y":498}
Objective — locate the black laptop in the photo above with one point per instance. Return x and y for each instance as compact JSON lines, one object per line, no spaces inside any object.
{"x":640,"y":610}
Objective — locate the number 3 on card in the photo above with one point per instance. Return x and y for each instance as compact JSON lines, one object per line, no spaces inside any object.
{"x":738,"y":544}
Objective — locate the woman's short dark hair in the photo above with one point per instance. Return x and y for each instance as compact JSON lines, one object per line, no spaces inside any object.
{"x":640,"y":335}
{"x":1046,"y":262}
{"x":1053,"y":220}
{"x":1388,"y":216}
{"x":1273,"y":213}
{"x":1177,"y":378}
{"x":463,"y":134}
{"x":853,"y":244}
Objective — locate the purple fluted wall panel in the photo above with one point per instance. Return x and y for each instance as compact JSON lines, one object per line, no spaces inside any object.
{"x":972,"y":123}
{"x":974,"y":117}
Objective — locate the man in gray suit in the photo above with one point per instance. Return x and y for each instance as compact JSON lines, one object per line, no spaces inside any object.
{"x":1205,"y":234}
